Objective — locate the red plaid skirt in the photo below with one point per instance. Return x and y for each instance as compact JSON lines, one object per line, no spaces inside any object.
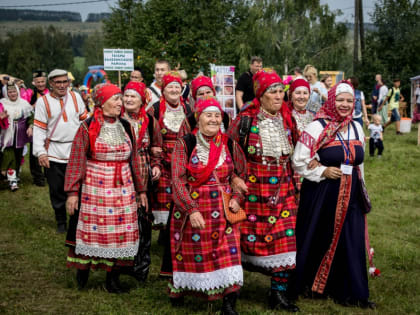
{"x":210,"y":258}
{"x":162,"y":201}
{"x":268,"y":236}
{"x":107,"y":225}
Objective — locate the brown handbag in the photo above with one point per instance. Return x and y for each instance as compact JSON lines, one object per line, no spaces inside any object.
{"x":231,"y":216}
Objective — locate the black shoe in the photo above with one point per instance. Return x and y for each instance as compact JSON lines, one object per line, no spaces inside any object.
{"x":61,"y":228}
{"x":229,"y":303}
{"x":82,"y":277}
{"x":366,"y":304}
{"x":278,"y":299}
{"x":177,"y":302}
{"x":39,"y":184}
{"x":113,"y":282}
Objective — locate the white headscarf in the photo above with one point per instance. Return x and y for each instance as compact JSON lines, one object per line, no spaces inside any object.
{"x":16,"y":110}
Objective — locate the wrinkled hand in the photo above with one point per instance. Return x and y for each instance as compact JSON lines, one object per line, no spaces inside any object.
{"x":197,"y":221}
{"x":332,"y":172}
{"x":238,"y":185}
{"x":142,"y":201}
{"x":29,"y":131}
{"x":313,"y":164}
{"x":315,"y":90}
{"x":43,"y":161}
{"x":155,"y":173}
{"x":234,"y":205}
{"x":72,"y":204}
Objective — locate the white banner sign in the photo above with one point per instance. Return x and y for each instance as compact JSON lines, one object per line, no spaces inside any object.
{"x":118,"y":59}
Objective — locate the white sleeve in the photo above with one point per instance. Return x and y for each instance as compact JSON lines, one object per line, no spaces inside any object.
{"x":40,"y":128}
{"x":362,"y":96}
{"x":80,"y":104}
{"x":302,"y":154}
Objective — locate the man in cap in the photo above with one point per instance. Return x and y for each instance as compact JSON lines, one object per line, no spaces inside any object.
{"x":57,"y":119}
{"x":39,"y":81}
{"x":3,"y":86}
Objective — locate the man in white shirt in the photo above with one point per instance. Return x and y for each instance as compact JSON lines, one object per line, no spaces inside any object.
{"x":57,"y":119}
{"x":154,"y":90}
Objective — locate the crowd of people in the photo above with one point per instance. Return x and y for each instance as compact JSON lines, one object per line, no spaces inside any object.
{"x":278,"y":190}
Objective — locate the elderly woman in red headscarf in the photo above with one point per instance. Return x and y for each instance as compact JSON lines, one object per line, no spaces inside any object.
{"x":266,"y":131}
{"x":170,"y":112}
{"x":205,"y":246}
{"x":102,"y":178}
{"x":201,"y":87}
{"x":330,"y":231}
{"x":149,"y":147}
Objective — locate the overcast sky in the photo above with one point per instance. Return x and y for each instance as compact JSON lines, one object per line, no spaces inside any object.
{"x":84,"y":7}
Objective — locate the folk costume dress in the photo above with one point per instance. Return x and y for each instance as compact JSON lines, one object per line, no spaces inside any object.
{"x":206,"y":262}
{"x":330,"y":231}
{"x":302,"y":118}
{"x":268,"y":235}
{"x":169,"y":119}
{"x":13,"y":135}
{"x":108,"y":177}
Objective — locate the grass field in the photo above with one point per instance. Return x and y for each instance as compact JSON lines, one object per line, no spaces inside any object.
{"x":34,"y":278}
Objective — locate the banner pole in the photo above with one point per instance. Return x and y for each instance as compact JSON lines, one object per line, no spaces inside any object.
{"x":119,"y":79}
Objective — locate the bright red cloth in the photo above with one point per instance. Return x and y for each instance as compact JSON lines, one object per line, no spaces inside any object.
{"x":139,"y":87}
{"x":171,"y":76}
{"x":199,"y":82}
{"x":263,"y":79}
{"x":297,"y":83}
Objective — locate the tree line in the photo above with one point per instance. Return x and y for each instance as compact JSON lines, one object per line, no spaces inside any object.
{"x":193,"y":33}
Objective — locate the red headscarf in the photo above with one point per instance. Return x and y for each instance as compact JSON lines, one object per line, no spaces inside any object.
{"x":140,"y":88}
{"x":199,"y":82}
{"x":169,"y":77}
{"x":201,"y":174}
{"x":101,"y":94}
{"x":298,"y":83}
{"x":329,"y":112}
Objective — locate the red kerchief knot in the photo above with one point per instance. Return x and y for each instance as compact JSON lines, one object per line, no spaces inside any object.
{"x":207,"y":104}
{"x":169,"y":77}
{"x":299,"y":83}
{"x":329,"y":112}
{"x":104,"y":92}
{"x":138,"y":87}
{"x":199,"y":82}
{"x":263,"y":79}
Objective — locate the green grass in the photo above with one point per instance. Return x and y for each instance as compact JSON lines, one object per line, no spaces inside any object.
{"x":34,"y":278}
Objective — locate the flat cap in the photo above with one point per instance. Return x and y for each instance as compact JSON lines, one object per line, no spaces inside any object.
{"x":56,"y":73}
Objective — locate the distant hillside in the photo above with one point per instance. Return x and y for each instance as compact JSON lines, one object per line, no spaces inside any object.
{"x":74,"y":28}
{"x":97,"y":17}
{"x":38,"y":15}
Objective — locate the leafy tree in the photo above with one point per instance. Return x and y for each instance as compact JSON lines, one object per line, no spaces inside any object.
{"x":392,"y":49}
{"x":36,"y":49}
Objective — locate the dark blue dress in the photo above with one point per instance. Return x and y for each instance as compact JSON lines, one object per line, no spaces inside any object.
{"x":347,"y":280}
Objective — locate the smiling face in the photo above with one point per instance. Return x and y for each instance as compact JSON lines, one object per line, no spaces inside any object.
{"x":112,"y":107}
{"x":132,"y":102}
{"x":300,"y":98}
{"x":172,"y":93}
{"x":59,"y":85}
{"x":40,"y":83}
{"x":272,"y":99}
{"x":12,"y":94}
{"x":344,"y":104}
{"x":209,"y":123}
